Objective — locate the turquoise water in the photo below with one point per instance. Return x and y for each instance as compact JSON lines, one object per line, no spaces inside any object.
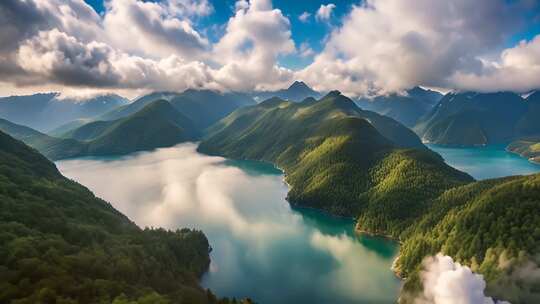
{"x":262,"y":248}
{"x":486,"y":162}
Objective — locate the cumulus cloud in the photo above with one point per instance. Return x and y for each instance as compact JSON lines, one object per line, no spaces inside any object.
{"x":517,"y":69}
{"x":448,"y":282}
{"x":155,"y":28}
{"x":138,"y":45}
{"x":305,"y":50}
{"x":399,"y":44}
{"x":255,"y":36}
{"x":325,"y":12}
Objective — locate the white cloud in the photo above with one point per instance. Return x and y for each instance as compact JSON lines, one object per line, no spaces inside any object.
{"x":155,"y":28}
{"x":517,"y":69}
{"x":389,"y":45}
{"x":304,"y":16}
{"x":255,"y":36}
{"x":448,"y":282}
{"x":325,"y":12}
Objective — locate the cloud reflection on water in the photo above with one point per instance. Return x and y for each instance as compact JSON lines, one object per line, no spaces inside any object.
{"x":262,"y":248}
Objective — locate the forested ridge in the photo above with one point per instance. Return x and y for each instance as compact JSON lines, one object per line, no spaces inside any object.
{"x":61,"y":244}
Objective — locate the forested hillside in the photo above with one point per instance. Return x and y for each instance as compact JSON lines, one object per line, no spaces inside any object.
{"x":493,"y":226}
{"x":61,"y":244}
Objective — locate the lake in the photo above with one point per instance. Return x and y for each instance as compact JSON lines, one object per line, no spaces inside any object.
{"x":486,"y":162}
{"x":262,"y":248}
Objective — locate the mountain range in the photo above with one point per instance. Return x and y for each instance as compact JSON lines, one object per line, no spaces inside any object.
{"x":156,"y":125}
{"x":472,"y":119}
{"x":406,"y":108}
{"x":45,"y":112}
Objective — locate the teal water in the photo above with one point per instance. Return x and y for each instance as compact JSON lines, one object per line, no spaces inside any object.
{"x":262,"y":248}
{"x":486,"y":162}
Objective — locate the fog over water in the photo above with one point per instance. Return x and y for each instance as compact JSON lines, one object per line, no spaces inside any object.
{"x":262,"y":248}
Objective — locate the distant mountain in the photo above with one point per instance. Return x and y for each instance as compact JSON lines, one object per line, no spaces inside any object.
{"x":336,"y":158}
{"x":61,"y":244}
{"x":298,"y":91}
{"x":156,"y":125}
{"x":203,"y":107}
{"x":406,"y":108}
{"x":45,"y":112}
{"x":471,"y":118}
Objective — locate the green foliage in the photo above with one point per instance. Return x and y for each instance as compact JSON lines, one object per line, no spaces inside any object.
{"x":61,"y":244}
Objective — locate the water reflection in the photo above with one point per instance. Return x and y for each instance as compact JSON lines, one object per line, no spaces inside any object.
{"x":262,"y":248}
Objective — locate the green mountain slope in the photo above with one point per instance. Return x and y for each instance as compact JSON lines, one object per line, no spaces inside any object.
{"x":156,"y":125}
{"x":336,"y":160}
{"x":475,"y":119}
{"x":61,"y":244}
{"x":52,"y":147}
{"x":493,"y":226}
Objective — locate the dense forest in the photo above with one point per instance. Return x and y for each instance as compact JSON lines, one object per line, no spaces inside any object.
{"x":61,"y":244}
{"x":493,"y":226}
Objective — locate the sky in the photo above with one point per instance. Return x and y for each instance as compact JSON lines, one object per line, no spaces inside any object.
{"x":360,"y":47}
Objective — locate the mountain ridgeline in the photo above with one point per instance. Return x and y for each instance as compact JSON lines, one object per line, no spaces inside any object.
{"x":472,"y":119}
{"x":339,"y":158}
{"x":406,"y":108}
{"x":61,"y":244}
{"x":45,"y":112}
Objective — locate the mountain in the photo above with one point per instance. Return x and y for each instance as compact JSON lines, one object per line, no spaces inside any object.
{"x":203,"y":107}
{"x":298,"y":91}
{"x":491,"y":226}
{"x":61,"y":244}
{"x":336,"y":159}
{"x":45,"y":112}
{"x":471,"y":118}
{"x":406,"y":108}
{"x":528,"y":148}
{"x":136,"y":105}
{"x":52,"y":147}
{"x":156,"y":125}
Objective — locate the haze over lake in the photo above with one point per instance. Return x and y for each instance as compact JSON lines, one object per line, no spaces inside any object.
{"x":262,"y":248}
